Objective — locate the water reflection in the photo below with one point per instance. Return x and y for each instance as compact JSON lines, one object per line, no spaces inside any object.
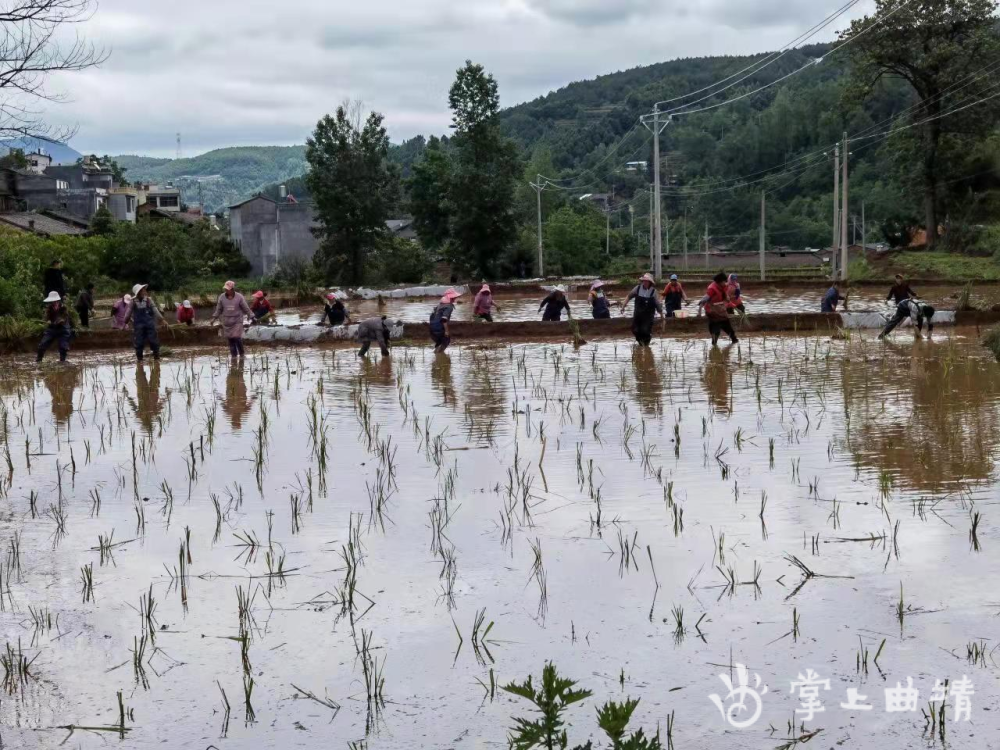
{"x":716,"y":378}
{"x":378,"y":372}
{"x":147,"y":403}
{"x":442,"y":380}
{"x":648,"y":383}
{"x":236,"y":404}
{"x":926,"y":414}
{"x":61,"y":383}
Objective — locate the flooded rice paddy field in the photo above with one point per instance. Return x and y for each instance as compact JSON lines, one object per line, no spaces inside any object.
{"x":313,"y":539}
{"x":761,"y":300}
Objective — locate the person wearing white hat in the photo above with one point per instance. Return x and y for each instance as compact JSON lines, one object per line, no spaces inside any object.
{"x":554,"y":304}
{"x":483,"y":305}
{"x":674,"y":296}
{"x":185,"y":313}
{"x":599,"y":302}
{"x":232,"y":308}
{"x":58,"y":328}
{"x":144,"y":316}
{"x":646,"y":306}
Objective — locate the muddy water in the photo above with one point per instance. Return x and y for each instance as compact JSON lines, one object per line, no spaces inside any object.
{"x":864,"y":437}
{"x":758,"y":301}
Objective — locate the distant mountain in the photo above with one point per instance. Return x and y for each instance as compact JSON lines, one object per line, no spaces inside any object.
{"x":222,"y":177}
{"x":61,"y":153}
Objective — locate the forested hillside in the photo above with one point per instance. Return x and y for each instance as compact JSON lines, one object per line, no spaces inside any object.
{"x":224,"y":176}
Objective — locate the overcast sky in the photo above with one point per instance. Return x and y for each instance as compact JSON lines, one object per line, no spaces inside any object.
{"x":246,"y":72}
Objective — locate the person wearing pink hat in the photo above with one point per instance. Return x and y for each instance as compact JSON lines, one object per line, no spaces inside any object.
{"x":647,"y":304}
{"x":232,"y":308}
{"x":261,"y":307}
{"x":335,"y":311}
{"x":599,"y":302}
{"x":439,"y":320}
{"x":484,"y":305}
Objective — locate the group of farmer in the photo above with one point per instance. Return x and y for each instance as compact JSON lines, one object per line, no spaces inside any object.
{"x":908,"y":305}
{"x":139,"y":311}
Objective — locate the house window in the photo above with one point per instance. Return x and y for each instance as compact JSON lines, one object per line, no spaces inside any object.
{"x":168,"y":201}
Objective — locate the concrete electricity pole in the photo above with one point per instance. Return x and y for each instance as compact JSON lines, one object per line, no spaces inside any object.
{"x":656,"y":126}
{"x":685,"y":238}
{"x":763,"y":209}
{"x":836,"y":211}
{"x":652,"y":226}
{"x":607,"y":225}
{"x":707,"y":266}
{"x":844,"y":239}
{"x":539,"y":187}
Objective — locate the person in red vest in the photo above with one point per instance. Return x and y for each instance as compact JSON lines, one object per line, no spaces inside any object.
{"x":714,"y":305}
{"x":185,"y":313}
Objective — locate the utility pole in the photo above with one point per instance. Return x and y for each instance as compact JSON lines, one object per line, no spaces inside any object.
{"x":836,"y":211}
{"x":631,"y":213}
{"x":685,"y":238}
{"x":539,"y":187}
{"x":864,"y":241}
{"x":657,"y":128}
{"x":652,"y":220}
{"x":707,"y":266}
{"x":762,"y":218}
{"x":607,"y":246}
{"x":844,"y":239}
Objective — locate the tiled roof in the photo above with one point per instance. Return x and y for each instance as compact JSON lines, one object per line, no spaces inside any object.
{"x":42,"y":224}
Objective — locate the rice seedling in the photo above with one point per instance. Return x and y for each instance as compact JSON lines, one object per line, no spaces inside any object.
{"x":147,"y":615}
{"x":14,"y":553}
{"x":138,"y":661}
{"x":680,"y":631}
{"x":248,"y":685}
{"x":489,"y":691}
{"x":295,"y":501}
{"x":975,"y":653}
{"x":16,"y":668}
{"x":539,"y":576}
{"x":975,"y":518}
{"x":327,"y":701}
{"x":226,"y":708}
{"x":58,"y":515}
{"x":87,"y":582}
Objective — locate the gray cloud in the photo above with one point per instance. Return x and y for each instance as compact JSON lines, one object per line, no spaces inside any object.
{"x":230,"y":72}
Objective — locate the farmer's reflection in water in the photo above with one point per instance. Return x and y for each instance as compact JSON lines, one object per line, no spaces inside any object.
{"x":378,"y":373}
{"x":147,"y":403}
{"x":441,"y":379}
{"x":648,"y":383}
{"x":236,"y":404}
{"x":62,"y":383}
{"x":715,"y":376}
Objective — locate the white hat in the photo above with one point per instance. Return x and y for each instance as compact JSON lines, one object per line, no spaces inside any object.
{"x":187,"y":304}
{"x":53,"y":297}
{"x":138,"y":288}
{"x":127,"y":298}
{"x":559,"y":288}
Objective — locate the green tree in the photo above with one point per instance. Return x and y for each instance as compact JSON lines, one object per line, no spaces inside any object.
{"x":354,"y":187}
{"x":103,"y":222}
{"x":486,"y":166}
{"x":14,"y":159}
{"x":430,"y":203}
{"x":932,"y":45}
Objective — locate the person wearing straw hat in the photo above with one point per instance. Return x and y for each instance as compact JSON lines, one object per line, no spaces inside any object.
{"x":674,"y":296}
{"x":118,"y":312}
{"x":554,"y":304}
{"x":58,"y":327}
{"x":144,"y":316}
{"x":185,"y":313}
{"x":714,"y":305}
{"x":599,"y":302}
{"x":483,"y":305}
{"x":232,"y":308}
{"x":440,"y":320}
{"x":647,"y":304}
{"x":335,"y":311}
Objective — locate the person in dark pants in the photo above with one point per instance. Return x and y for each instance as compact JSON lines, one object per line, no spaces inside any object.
{"x":144,"y":316}
{"x":335,"y":311}
{"x":916,"y":311}
{"x":832,"y":297}
{"x":674,"y":296}
{"x":54,"y":280}
{"x":440,"y":320}
{"x":646,"y":306}
{"x":554,"y":304}
{"x":900,"y":291}
{"x":714,"y":305}
{"x":599,"y":303}
{"x":59,"y":327}
{"x":373,"y":330}
{"x":85,"y":305}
